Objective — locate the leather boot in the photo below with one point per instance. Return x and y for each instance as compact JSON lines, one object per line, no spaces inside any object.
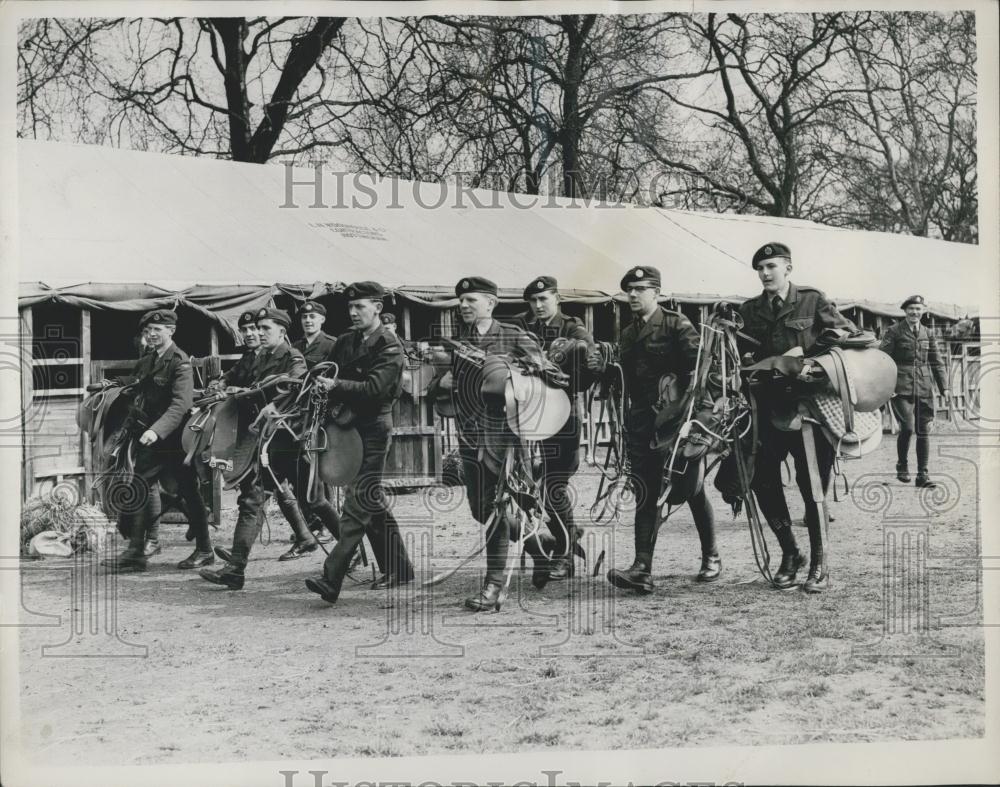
{"x":923,"y":479}
{"x":791,"y":559}
{"x":562,"y":568}
{"x":224,"y":554}
{"x":486,"y":598}
{"x":323,"y":589}
{"x":636,"y":577}
{"x":197,"y":559}
{"x":818,"y":579}
{"x":299,"y":549}
{"x":711,"y":568}
{"x":541,"y":562}
{"x":902,"y":472}
{"x":229,"y":575}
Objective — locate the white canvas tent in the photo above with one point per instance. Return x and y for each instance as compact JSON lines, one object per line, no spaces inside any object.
{"x":100,"y":215}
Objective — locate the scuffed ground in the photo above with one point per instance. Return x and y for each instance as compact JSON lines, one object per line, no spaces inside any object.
{"x":273,"y":672}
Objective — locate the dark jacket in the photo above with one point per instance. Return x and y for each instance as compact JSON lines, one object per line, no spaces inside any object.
{"x":319,"y":350}
{"x":370,"y":372}
{"x":666,"y":343}
{"x":241,"y":373}
{"x":561,"y":326}
{"x":917,"y":356}
{"x":163,"y":393}
{"x":803,"y":316}
{"x":283,"y":359}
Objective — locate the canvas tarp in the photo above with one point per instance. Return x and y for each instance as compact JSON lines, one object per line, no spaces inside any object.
{"x":107,"y":228}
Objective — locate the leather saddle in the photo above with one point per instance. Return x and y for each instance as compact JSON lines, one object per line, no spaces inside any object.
{"x":534,"y":409}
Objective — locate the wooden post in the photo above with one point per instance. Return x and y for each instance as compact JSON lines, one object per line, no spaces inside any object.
{"x":88,"y":459}
{"x":406,"y":322}
{"x":26,"y":341}
{"x":616,"y":328}
{"x":588,"y":319}
{"x":214,"y":341}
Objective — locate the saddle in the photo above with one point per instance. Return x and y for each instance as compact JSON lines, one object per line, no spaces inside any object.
{"x":534,"y":409}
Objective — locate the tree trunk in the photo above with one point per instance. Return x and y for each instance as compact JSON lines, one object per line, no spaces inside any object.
{"x":232,"y":31}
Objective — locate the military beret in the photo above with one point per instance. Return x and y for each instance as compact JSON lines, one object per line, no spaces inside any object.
{"x":312,"y":307}
{"x":159,"y":317}
{"x":364,"y":289}
{"x":770,"y":250}
{"x":541,"y":284}
{"x":913,"y":299}
{"x":388,"y":319}
{"x":279,"y":316}
{"x":247,"y":318}
{"x":475,"y":284}
{"x":641,"y":274}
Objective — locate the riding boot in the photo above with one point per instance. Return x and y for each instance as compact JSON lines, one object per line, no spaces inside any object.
{"x":540,"y":557}
{"x":290,"y":510}
{"x":923,"y":455}
{"x":328,"y":516}
{"x":791,"y":558}
{"x":818,"y":579}
{"x":903,"y":447}
{"x":704,"y":522}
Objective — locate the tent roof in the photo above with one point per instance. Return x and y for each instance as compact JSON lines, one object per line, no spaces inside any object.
{"x":98,"y":214}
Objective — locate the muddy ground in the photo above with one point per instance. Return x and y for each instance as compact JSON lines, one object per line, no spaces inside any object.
{"x":198,"y":673}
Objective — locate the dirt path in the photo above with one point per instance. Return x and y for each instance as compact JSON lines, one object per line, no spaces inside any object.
{"x":273,"y":672}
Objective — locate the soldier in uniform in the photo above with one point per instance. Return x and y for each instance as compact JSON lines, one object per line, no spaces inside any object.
{"x":918,"y":358}
{"x":657,"y":343}
{"x":243,"y":374}
{"x":163,"y":393}
{"x":482,"y":429}
{"x":389,"y":321}
{"x":316,"y":346}
{"x":785,"y":316}
{"x":560,"y":454}
{"x":370,"y":361}
{"x":275,"y":357}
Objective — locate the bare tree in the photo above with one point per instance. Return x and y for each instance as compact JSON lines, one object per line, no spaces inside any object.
{"x":778,"y":82}
{"x":911,"y":149}
{"x":230,"y":86}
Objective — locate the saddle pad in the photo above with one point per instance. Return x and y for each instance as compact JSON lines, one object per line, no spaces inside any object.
{"x":829,"y":411}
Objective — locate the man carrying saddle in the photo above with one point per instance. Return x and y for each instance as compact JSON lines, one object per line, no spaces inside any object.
{"x":484,"y":435}
{"x":162,"y":392}
{"x":243,"y":374}
{"x":782,"y":318}
{"x":918,"y":358}
{"x":659,"y":342}
{"x":275,"y":357}
{"x":316,"y":346}
{"x":370,"y":362}
{"x":567,"y":341}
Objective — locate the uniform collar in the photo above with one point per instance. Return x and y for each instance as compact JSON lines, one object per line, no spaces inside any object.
{"x":790,"y":295}
{"x":169,"y":351}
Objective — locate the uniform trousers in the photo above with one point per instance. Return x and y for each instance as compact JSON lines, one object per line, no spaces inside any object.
{"x":366,"y":512}
{"x":915,"y":415}
{"x":648,"y":465}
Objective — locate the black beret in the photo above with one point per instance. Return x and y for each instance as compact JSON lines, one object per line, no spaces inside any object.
{"x":913,"y":299}
{"x":364,"y":289}
{"x":279,"y":316}
{"x":770,"y":250}
{"x":388,"y":319}
{"x":312,"y":307}
{"x":159,"y":317}
{"x":247,"y":318}
{"x":475,"y":284}
{"x":541,"y":284}
{"x":641,"y":274}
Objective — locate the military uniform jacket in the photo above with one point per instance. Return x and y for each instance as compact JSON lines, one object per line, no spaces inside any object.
{"x":282,"y":359}
{"x":472,"y":415}
{"x":802,"y":317}
{"x":241,"y":373}
{"x":370,"y":375}
{"x":666,"y":343}
{"x":317,"y":351}
{"x":561,"y":326}
{"x":917,"y":356}
{"x":163,"y":393}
